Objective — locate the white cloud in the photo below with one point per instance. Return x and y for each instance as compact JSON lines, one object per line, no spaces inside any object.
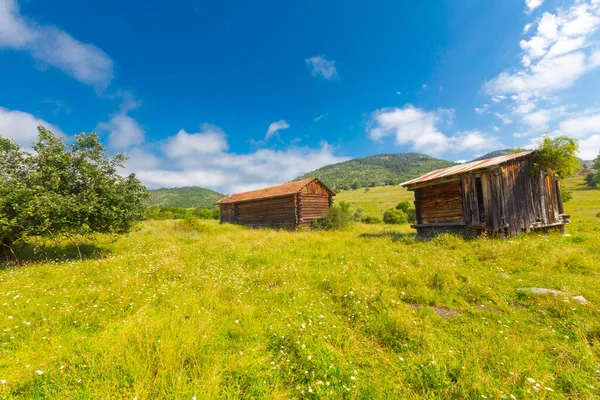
{"x":589,"y":148}
{"x":579,"y":127}
{"x":505,"y":120}
{"x":540,"y":119}
{"x":475,"y":140}
{"x":549,"y":75}
{"x":50,"y":45}
{"x":557,"y":55}
{"x":210,"y":140}
{"x":275,"y":127}
{"x":204,"y":159}
{"x":124,"y":132}
{"x":421,"y":130}
{"x":533,"y":4}
{"x":320,"y":117}
{"x":320,"y":66}
{"x":21,"y":127}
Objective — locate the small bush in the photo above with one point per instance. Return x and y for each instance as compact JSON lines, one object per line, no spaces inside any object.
{"x":566,"y":195}
{"x":370,"y":220}
{"x":337,"y":217}
{"x":403,"y":206}
{"x":408,"y":209}
{"x":598,"y":215}
{"x":358,"y":214}
{"x":394,"y":216}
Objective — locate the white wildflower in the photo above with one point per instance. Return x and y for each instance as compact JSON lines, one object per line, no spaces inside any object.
{"x":39,"y":371}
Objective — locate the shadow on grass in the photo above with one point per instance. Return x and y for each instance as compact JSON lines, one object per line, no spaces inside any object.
{"x":60,"y":252}
{"x":395,"y":236}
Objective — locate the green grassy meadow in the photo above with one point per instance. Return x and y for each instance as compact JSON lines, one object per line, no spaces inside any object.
{"x":375,"y":200}
{"x":183,"y":310}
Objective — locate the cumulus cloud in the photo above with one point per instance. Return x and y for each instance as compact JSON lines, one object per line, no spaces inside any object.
{"x":589,"y":148}
{"x":276,"y":127}
{"x":560,"y":49}
{"x":533,"y":4}
{"x":582,"y":126}
{"x":50,"y":45}
{"x":204,"y":159}
{"x":21,"y":127}
{"x":539,"y":119}
{"x":422,"y":131}
{"x":186,"y":146}
{"x":124,"y":132}
{"x":557,"y":55}
{"x":320,"y":66}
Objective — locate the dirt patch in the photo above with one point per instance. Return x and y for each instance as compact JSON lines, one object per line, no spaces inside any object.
{"x":445,"y":312}
{"x":272,"y":286}
{"x":415,"y":306}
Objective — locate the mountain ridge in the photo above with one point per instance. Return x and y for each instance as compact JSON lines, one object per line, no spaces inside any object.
{"x":184,"y":197}
{"x":376,"y":170}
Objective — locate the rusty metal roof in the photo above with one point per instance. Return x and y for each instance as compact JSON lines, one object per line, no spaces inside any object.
{"x":462,"y":168}
{"x":267,"y":193}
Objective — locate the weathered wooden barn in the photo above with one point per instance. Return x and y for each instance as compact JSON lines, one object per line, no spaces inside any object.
{"x":500,"y":195}
{"x":288,"y":206}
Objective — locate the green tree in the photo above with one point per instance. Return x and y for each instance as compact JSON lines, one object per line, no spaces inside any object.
{"x":60,"y":192}
{"x":556,"y":157}
{"x":593,"y":178}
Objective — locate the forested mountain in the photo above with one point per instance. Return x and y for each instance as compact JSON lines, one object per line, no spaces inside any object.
{"x":383,"y":169}
{"x":184,"y":197}
{"x":496,"y":153}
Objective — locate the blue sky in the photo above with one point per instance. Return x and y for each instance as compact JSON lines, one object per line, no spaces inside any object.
{"x":240,"y":95}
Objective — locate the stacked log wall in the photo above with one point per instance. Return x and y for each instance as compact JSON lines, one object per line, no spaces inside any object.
{"x":314,"y":201}
{"x":279,"y":212}
{"x":440,"y":203}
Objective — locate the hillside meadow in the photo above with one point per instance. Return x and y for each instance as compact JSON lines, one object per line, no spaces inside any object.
{"x":193,"y":309}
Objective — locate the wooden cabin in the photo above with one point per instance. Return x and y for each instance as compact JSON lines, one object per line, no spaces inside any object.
{"x":289,"y":206}
{"x":499,"y":195}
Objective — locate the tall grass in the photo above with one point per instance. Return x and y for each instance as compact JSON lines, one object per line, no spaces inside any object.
{"x":184,"y":309}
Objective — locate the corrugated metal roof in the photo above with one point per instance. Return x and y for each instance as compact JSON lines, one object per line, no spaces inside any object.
{"x":462,"y":168}
{"x":274,"y":191}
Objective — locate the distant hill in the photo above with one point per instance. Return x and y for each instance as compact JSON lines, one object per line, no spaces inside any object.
{"x":185,"y":197}
{"x":383,"y":169}
{"x":496,"y":153}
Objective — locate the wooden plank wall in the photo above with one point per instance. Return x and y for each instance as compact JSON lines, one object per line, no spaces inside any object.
{"x":227,"y":213}
{"x":440,"y":203}
{"x":279,"y":212}
{"x":514,"y":200}
{"x":314,"y":201}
